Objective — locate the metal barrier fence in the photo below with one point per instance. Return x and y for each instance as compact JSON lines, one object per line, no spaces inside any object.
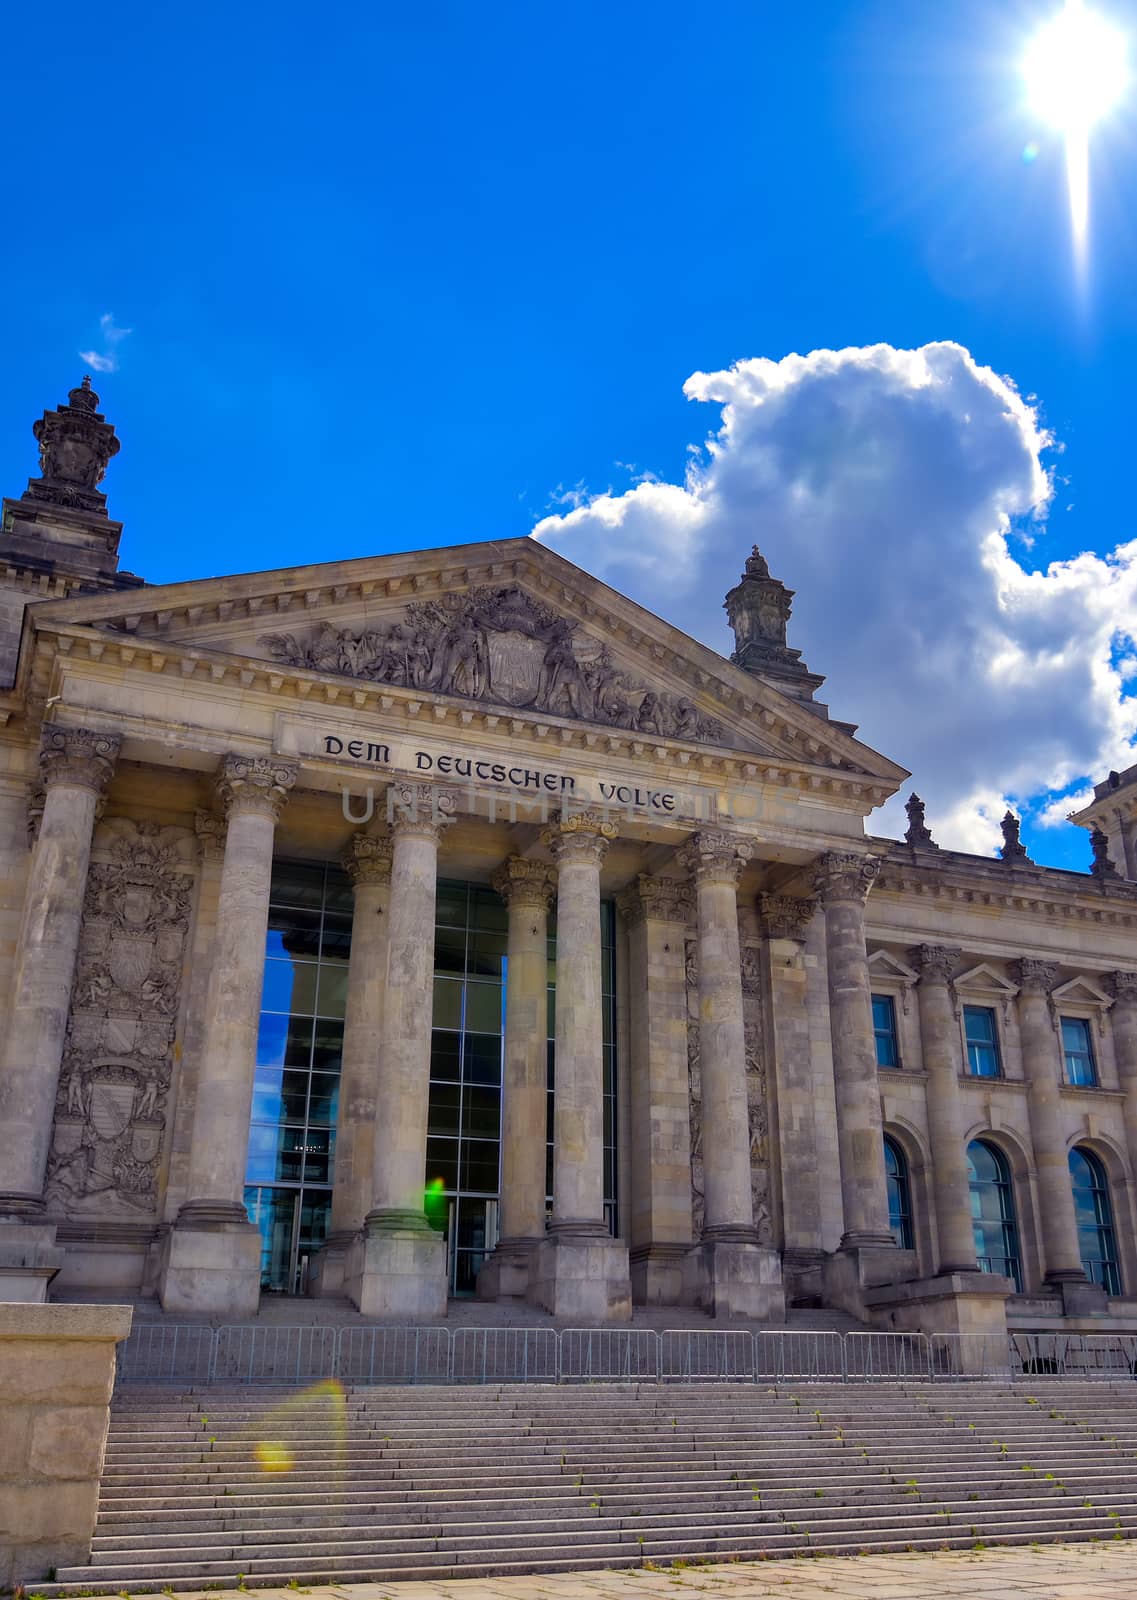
{"x":196,"y":1355}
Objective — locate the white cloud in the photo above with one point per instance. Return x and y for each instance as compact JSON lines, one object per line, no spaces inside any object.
{"x":106,"y":360}
{"x":897,"y":491}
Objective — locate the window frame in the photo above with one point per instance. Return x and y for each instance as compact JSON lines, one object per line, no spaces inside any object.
{"x":893,"y":1031}
{"x":1094,"y":1080}
{"x":995,"y":1043}
{"x":900,"y":1183}
{"x":1109,"y":1277}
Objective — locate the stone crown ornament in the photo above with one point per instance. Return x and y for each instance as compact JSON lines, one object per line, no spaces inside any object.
{"x":501,"y":646}
{"x":75,"y":444}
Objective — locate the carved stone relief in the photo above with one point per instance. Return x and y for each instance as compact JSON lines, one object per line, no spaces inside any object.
{"x":755,"y":1087}
{"x":110,"y":1117}
{"x":499,"y":645}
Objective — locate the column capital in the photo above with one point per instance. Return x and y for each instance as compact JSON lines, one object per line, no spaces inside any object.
{"x":78,"y":757}
{"x":655,"y":900}
{"x":579,"y":836}
{"x":525,"y":883}
{"x":785,"y":917}
{"x":256,"y":784}
{"x":1034,"y":976}
{"x":844,"y":875}
{"x":420,"y":809}
{"x":935,"y":962}
{"x":210,"y":830}
{"x":714,"y":856}
{"x":1122,"y":986}
{"x":367,"y":858}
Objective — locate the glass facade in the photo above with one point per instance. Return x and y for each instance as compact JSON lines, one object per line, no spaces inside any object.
{"x":1094,"y":1214}
{"x":993,"y":1212}
{"x":1078,"y":1050}
{"x":982,"y":1042}
{"x":884,"y":1030}
{"x":899,"y":1195}
{"x":289,"y":1172}
{"x":291,"y":1160}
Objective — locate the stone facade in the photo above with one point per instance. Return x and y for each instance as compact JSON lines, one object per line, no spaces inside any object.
{"x":490,"y":715}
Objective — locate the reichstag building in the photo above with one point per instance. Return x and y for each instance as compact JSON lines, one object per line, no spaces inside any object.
{"x":444,"y":924}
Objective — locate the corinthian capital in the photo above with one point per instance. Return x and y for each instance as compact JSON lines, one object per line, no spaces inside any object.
{"x":367,"y":859}
{"x":935,"y":962}
{"x":1034,"y":977}
{"x":844,"y":875}
{"x":784,"y":916}
{"x":78,"y":757}
{"x":713,"y":856}
{"x":256,"y":784}
{"x":525,"y":883}
{"x":579,"y":836}
{"x":655,"y":900}
{"x":1122,"y":986}
{"x":420,"y":808}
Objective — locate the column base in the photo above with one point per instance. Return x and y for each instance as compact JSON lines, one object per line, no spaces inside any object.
{"x":733,"y":1276}
{"x":396,"y":1267}
{"x":211,"y":1262}
{"x":327,"y":1267}
{"x":803,"y":1275}
{"x":505,"y":1271}
{"x":657,"y":1273}
{"x":969,"y":1302}
{"x":29,"y":1260}
{"x":579,"y":1273}
{"x":854,"y":1268}
{"x":1080,"y":1297}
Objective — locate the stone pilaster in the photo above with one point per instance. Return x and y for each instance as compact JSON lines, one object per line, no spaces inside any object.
{"x":579,"y":1270}
{"x":398,"y":1268}
{"x":76,"y":765}
{"x":367,"y":862}
{"x":527,"y":887}
{"x":729,"y":1274}
{"x":212,"y":1258}
{"x":940,"y":1048}
{"x":785,"y":921}
{"x":1042,"y":1067}
{"x":657,"y":911}
{"x":1123,"y":1021}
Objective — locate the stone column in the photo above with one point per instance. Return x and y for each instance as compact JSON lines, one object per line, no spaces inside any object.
{"x":76,"y":765}
{"x":367,"y":862}
{"x":785,"y":922}
{"x":527,"y":887}
{"x":728,"y":1273}
{"x":843,"y":882}
{"x":940,"y":1049}
{"x":657,"y":911}
{"x":1123,"y":1020}
{"x":399,"y":1268}
{"x":579,"y":1271}
{"x":212,"y":1260}
{"x":1043,"y":1066}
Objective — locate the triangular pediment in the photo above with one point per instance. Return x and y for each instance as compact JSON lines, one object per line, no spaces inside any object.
{"x":886,"y":968}
{"x":1080,"y":992}
{"x":983,"y":979}
{"x":504,"y":624}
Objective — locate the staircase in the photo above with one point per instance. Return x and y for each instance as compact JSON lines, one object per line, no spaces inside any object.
{"x":386,"y":1483}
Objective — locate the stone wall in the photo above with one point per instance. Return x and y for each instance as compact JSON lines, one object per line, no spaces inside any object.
{"x":57,"y":1367}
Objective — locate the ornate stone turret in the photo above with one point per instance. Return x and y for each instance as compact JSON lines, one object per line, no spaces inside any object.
{"x":758,"y":608}
{"x":919,"y":834}
{"x":57,"y":538}
{"x":1012,"y":849}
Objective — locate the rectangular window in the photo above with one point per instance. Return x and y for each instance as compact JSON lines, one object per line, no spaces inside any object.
{"x":982,"y":1042}
{"x":1077,"y":1046}
{"x":884,"y":1030}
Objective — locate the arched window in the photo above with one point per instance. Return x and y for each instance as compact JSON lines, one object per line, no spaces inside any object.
{"x":993,"y":1212}
{"x":1095,"y":1220}
{"x":899,"y":1194}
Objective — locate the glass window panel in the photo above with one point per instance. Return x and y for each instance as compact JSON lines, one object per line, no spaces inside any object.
{"x":284,"y":1041}
{"x":481,"y":1112}
{"x":470,"y":1233}
{"x":261,"y":1165}
{"x":339,"y":897}
{"x":982,"y":1042}
{"x":482,"y":1062}
{"x":447,"y":1003}
{"x":488,"y":954}
{"x":268,"y":1085}
{"x":333,"y":991}
{"x":1093,"y":1210}
{"x":289,"y":986}
{"x":319,"y":1148}
{"x":479,"y":1164}
{"x":1077,"y":1045}
{"x":293,"y":935}
{"x":445,"y":1103}
{"x":899,"y":1195}
{"x":442,"y":1162}
{"x":450,"y":907}
{"x":450,"y":950}
{"x":484,"y":1007}
{"x":884,"y":1030}
{"x":993,"y":1212}
{"x":327,"y":1046}
{"x":290,"y":1154}
{"x":488,"y":911}
{"x":551,"y":1014}
{"x":297,"y":883}
{"x":445,"y":1055}
{"x":606,"y":970}
{"x":550,"y":1061}
{"x":323,"y":1100}
{"x":335,"y":945}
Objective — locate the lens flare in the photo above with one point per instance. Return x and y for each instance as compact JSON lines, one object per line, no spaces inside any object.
{"x":273,"y":1456}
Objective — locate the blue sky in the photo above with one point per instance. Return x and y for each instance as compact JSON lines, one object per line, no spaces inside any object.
{"x":406,"y":276}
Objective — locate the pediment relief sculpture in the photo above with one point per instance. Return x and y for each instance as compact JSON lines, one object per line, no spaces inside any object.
{"x":499,"y":645}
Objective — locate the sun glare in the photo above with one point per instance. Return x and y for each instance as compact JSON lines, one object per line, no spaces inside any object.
{"x":1075,"y":72}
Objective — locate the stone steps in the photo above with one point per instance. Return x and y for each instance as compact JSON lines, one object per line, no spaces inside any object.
{"x":448,"y":1482}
